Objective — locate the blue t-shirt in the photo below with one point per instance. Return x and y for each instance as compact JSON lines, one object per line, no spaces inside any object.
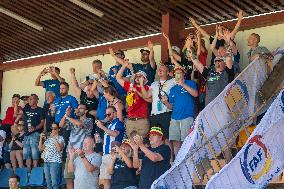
{"x":61,"y":104}
{"x":182,"y":101}
{"x":147,"y":68}
{"x":102,"y":106}
{"x":52,"y":85}
{"x":114,"y":125}
{"x":112,"y":77}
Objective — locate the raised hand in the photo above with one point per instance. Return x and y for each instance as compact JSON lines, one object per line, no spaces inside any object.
{"x":79,"y":151}
{"x":150,"y":45}
{"x":165,"y":36}
{"x":240,"y":15}
{"x":227,"y":36}
{"x":164,"y":99}
{"x":193,"y":21}
{"x":44,"y":71}
{"x":71,"y":151}
{"x":133,"y":145}
{"x":111,"y":51}
{"x":68,"y":111}
{"x":138,"y":140}
{"x":72,"y":70}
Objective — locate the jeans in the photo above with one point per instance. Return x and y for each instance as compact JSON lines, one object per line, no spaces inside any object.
{"x":30,"y":146}
{"x":52,"y":172}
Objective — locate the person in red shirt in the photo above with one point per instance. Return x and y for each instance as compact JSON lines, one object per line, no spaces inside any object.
{"x":137,"y":103}
{"x":12,"y":116}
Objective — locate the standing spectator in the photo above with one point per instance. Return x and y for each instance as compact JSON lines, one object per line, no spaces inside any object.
{"x":33,"y":125}
{"x":148,"y":64}
{"x":156,"y":158}
{"x":230,"y":49}
{"x":52,"y":147}
{"x":14,"y":182}
{"x":160,"y":114}
{"x":111,"y":96}
{"x":114,"y":132}
{"x":85,"y":166}
{"x":88,"y":96}
{"x":121,"y":167}
{"x":2,"y":140}
{"x":80,"y":127}
{"x":12,"y":116}
{"x":118,"y":56}
{"x":220,"y":41}
{"x":48,"y":115}
{"x":16,"y":146}
{"x":52,"y":84}
{"x":61,"y":103}
{"x":218,"y":78}
{"x":137,"y":105}
{"x":255,"y":49}
{"x":181,"y":101}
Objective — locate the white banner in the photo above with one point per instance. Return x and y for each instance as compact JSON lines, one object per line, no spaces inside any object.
{"x":236,"y":103}
{"x":261,"y":158}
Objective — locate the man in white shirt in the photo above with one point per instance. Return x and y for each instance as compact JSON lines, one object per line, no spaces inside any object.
{"x":160,"y":114}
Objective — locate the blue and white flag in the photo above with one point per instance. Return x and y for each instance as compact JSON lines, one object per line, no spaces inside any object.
{"x":261,"y":158}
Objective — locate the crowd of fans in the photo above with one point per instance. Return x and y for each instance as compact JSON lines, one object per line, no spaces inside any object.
{"x":126,"y":128}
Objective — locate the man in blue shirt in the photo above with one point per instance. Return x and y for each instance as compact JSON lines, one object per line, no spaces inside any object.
{"x":114,"y":133}
{"x":181,"y":101}
{"x":114,"y":70}
{"x":52,"y":84}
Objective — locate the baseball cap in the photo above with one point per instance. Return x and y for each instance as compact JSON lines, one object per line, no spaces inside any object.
{"x":144,"y":50}
{"x":176,"y":49}
{"x":156,"y":131}
{"x":121,"y":53}
{"x":219,"y":59}
{"x":126,"y":141}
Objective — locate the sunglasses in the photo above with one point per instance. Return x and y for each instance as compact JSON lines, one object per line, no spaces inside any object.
{"x":107,"y":115}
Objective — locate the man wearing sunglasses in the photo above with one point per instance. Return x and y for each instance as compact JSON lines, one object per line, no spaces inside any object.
{"x":114,"y":133}
{"x":80,"y":127}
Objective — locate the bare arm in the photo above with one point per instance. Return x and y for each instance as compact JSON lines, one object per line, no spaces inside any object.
{"x":74,"y":82}
{"x":112,"y":133}
{"x":38,"y":82}
{"x":213,"y":45}
{"x":136,"y":161}
{"x":202,"y":31}
{"x":119,"y":77}
{"x":229,"y":62}
{"x":166,"y":102}
{"x":171,"y":52}
{"x":89,"y":167}
{"x":153,"y":156}
{"x":117,"y":59}
{"x":151,"y":55}
{"x":240,"y":16}
{"x":119,"y":108}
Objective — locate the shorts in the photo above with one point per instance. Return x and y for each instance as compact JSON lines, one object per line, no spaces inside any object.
{"x":141,"y":126}
{"x":68,"y":175}
{"x":163,"y":120}
{"x":106,"y":161}
{"x":30,"y":146}
{"x":179,"y":128}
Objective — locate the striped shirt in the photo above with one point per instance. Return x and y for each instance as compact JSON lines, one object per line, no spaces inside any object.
{"x":50,"y":152}
{"x":115,"y":125}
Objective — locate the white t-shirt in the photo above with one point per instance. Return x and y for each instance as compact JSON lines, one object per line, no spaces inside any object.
{"x":3,"y":135}
{"x":164,"y":87}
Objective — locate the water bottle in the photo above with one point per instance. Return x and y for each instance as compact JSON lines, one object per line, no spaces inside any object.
{"x":159,"y":105}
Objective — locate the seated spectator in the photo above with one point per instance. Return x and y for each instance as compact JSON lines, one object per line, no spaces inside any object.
{"x":114,"y":70}
{"x":123,"y":175}
{"x":25,"y":100}
{"x":255,"y":50}
{"x":52,"y":147}
{"x":52,"y":84}
{"x":2,"y":140}
{"x":16,"y":146}
{"x":33,"y":125}
{"x":181,"y":101}
{"x":80,"y":127}
{"x":156,"y":160}
{"x":114,"y":132}
{"x":88,"y":95}
{"x":14,"y":182}
{"x":12,"y":116}
{"x":137,"y":105}
{"x":48,"y":115}
{"x":85,"y":166}
{"x":111,"y":96}
{"x":220,"y":41}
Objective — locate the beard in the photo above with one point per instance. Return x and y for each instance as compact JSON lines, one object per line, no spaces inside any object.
{"x":63,"y":93}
